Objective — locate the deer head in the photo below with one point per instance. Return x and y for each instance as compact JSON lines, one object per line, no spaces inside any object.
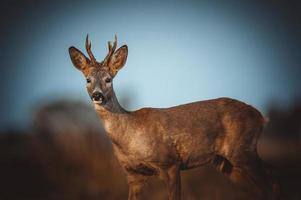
{"x":99,"y":75}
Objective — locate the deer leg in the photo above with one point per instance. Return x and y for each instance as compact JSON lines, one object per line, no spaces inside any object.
{"x":273,"y":182}
{"x":136,"y":183}
{"x":249,"y":177}
{"x":172,"y":178}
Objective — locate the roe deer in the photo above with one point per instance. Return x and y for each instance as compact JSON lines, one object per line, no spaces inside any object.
{"x":163,"y":141}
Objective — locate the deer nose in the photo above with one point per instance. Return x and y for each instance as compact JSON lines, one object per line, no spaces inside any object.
{"x":97,"y":96}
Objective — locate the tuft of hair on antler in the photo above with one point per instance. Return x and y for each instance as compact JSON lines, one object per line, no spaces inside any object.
{"x":111,"y":51}
{"x":88,"y":49}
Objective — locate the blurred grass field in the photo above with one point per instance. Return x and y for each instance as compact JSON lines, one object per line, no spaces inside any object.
{"x":65,"y":154}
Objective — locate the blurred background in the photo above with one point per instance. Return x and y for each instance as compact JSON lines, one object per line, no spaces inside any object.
{"x":52,"y":145}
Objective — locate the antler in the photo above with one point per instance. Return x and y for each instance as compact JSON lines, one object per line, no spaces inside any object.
{"x":111,"y":51}
{"x":88,"y":48}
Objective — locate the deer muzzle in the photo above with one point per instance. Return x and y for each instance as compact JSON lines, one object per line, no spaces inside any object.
{"x":97,"y":97}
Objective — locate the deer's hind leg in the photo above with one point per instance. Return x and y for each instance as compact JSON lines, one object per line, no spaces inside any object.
{"x":248,"y":174}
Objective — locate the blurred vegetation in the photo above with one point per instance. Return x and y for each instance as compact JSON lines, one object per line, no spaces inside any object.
{"x":65,"y":154}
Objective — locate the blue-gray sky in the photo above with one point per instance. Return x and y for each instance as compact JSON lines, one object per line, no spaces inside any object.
{"x":179,"y":51}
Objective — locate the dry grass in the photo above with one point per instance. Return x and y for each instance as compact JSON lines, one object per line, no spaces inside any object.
{"x":66,"y":155}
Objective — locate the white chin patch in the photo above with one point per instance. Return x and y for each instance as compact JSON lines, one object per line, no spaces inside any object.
{"x":97,"y":102}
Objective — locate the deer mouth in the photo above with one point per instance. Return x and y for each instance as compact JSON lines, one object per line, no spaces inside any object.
{"x":100,"y":101}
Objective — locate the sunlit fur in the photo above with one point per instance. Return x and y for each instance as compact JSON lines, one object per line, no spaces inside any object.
{"x":161,"y":142}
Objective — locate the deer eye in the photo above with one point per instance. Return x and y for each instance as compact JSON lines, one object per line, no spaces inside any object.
{"x":88,"y":80}
{"x":108,"y":80}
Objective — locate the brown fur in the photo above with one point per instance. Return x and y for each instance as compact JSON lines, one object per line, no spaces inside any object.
{"x":153,"y":141}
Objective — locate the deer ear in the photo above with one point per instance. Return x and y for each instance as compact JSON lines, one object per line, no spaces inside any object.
{"x":118,"y":59}
{"x":79,"y":60}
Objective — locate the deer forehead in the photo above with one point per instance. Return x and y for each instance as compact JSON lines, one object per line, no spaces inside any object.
{"x":98,"y":72}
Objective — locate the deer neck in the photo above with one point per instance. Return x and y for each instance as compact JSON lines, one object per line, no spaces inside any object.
{"x":111,"y":113}
{"x":113,"y":105}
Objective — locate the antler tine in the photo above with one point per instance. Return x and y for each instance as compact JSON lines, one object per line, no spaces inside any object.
{"x":88,"y":49}
{"x":111,"y":50}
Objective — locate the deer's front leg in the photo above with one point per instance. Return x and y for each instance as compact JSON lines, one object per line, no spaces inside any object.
{"x":172,"y":178}
{"x":136,"y":183}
